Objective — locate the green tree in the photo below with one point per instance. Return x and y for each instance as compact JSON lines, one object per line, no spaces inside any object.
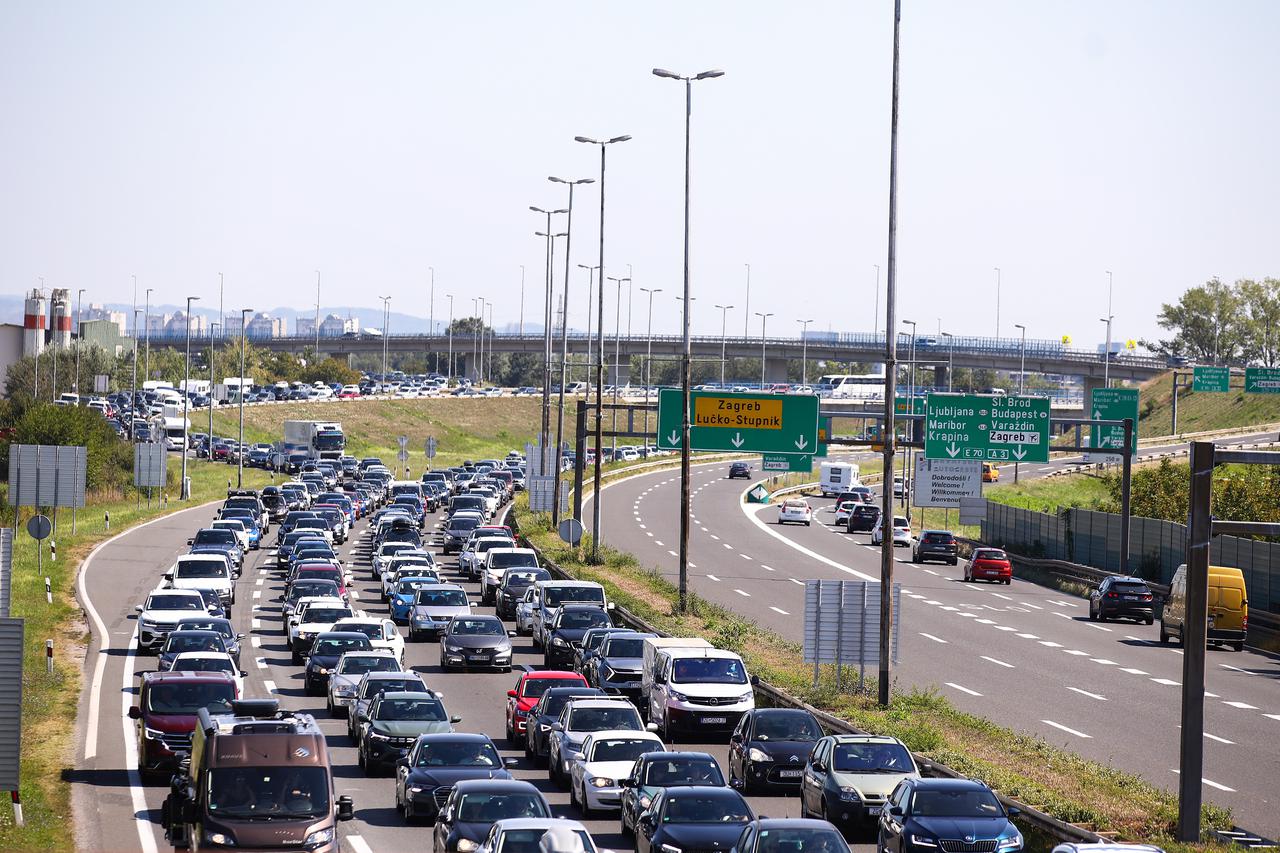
{"x":1207,"y":324}
{"x":1261,"y":320}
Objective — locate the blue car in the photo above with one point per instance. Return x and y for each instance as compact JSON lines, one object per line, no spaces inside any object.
{"x":250,"y":523}
{"x":925,"y":815}
{"x":406,"y":594}
{"x":211,"y":540}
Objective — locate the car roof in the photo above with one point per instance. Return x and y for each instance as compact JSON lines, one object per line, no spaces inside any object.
{"x":518,"y":823}
{"x":553,"y":674}
{"x":404,"y":673}
{"x":187,"y":675}
{"x":341,"y":635}
{"x":203,"y":558}
{"x":792,"y":823}
{"x":203,"y":654}
{"x":703,"y":790}
{"x":557,"y":584}
{"x":934,"y":784}
{"x":467,"y":786}
{"x":189,"y":593}
{"x":641,"y":734}
{"x":601,"y":702}
{"x":381,"y":653}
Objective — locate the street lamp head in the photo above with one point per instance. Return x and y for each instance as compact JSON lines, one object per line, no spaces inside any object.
{"x":570,"y":181}
{"x":586,"y":139}
{"x":662,"y":72}
{"x":624,"y":138}
{"x":1015,"y":325}
{"x":707,"y":75}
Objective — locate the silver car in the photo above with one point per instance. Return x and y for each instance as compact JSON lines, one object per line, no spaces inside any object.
{"x":524,"y":613}
{"x":434,"y":607}
{"x":345,"y":676}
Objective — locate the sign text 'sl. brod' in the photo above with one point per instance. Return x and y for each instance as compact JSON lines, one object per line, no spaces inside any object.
{"x":730,"y":412}
{"x":972,"y":426}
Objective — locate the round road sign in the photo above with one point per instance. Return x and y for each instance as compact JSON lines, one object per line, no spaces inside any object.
{"x":570,"y":531}
{"x":39,"y":526}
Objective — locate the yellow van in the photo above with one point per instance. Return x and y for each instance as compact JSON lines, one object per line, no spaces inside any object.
{"x":990,"y":473}
{"x":1228,"y":607}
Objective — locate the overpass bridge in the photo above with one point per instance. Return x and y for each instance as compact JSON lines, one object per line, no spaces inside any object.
{"x":940,"y":353}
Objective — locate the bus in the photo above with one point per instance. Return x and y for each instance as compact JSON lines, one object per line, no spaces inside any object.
{"x":864,"y":386}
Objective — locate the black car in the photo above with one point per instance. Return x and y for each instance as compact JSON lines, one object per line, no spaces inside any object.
{"x":948,"y":814}
{"x":654,"y":771}
{"x":768,"y":835}
{"x":692,"y":818}
{"x":1122,"y":598}
{"x":475,"y":805}
{"x":544,"y":714}
{"x":566,"y":630}
{"x":325,"y":651}
{"x":769,"y":748}
{"x":615,"y":669}
{"x":189,"y":640}
{"x":935,"y":545}
{"x":584,"y":653}
{"x":221,"y":624}
{"x":739,"y":469}
{"x":514,"y":584}
{"x":395,"y":721}
{"x":475,"y":641}
{"x":291,"y":522}
{"x":863,"y":518}
{"x":435,"y":763}
{"x":257,"y":458}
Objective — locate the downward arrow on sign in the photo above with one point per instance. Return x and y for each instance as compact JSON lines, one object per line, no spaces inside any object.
{"x":802,"y":443}
{"x":737,"y":439}
{"x":674,"y":438}
{"x":1018,"y":453}
{"x":952,"y":450}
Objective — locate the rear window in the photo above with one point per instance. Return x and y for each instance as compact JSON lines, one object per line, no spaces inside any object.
{"x":1131,"y":588}
{"x":989,"y":554}
{"x":938,"y":538}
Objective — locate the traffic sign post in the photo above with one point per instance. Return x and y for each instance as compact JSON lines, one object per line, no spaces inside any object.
{"x":1262,"y":380}
{"x":990,"y":429}
{"x":747,"y":423}
{"x":824,"y":436}
{"x":1113,"y":404}
{"x":431,"y":447}
{"x":786,"y":463}
{"x":1216,"y":379}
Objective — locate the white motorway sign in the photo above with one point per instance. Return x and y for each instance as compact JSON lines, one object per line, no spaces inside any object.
{"x":943,"y":482}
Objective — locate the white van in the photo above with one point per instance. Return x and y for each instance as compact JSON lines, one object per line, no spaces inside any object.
{"x":698,"y":691}
{"x":837,"y":477}
{"x":649,"y":665}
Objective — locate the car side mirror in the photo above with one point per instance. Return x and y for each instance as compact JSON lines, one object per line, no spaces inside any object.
{"x":896,"y":811}
{"x":511,"y":693}
{"x":1014,"y":811}
{"x":191,"y":541}
{"x":579,"y":756}
{"x":610,"y":606}
{"x":755,"y":681}
{"x":510,"y":762}
{"x":135,"y":713}
{"x":626,"y":783}
{"x":511,"y":634}
{"x":735,"y":738}
{"x":651,"y":727}
{"x":402,"y":762}
{"x":346,"y":808}
{"x":556,"y":727}
{"x":137,"y":608}
{"x":455,"y":719}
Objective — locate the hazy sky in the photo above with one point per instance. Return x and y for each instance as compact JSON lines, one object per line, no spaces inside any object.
{"x":373,"y":140}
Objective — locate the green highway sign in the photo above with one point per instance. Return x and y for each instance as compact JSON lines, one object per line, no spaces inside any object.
{"x":987,"y":428}
{"x":790,"y":463}
{"x":745,"y":423}
{"x":1113,"y":404}
{"x":1262,"y":380}
{"x":900,"y":405}
{"x":1211,"y":379}
{"x":824,"y":436}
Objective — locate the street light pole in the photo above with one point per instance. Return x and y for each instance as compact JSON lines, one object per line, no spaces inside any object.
{"x":804,"y":351}
{"x":146,"y":321}
{"x":763,"y":319}
{"x":1106,"y":355}
{"x":951,"y":359}
{"x":244,"y":317}
{"x":386,"y":302}
{"x":450,"y":330}
{"x":209,"y":443}
{"x":564,"y":339}
{"x":686,"y":354}
{"x":547,"y":338}
{"x":724,"y":319}
{"x":648,"y":355}
{"x":79,"y":337}
{"x":911,"y":408}
{"x":184,"y":491}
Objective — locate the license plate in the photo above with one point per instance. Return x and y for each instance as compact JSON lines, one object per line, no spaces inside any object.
{"x":477,"y":657}
{"x":715,"y":720}
{"x":790,"y":774}
{"x":1131,"y":598}
{"x":873,"y":811}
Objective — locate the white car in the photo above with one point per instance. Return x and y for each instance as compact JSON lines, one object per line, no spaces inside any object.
{"x":901,"y":532}
{"x":236,"y":527}
{"x":382,"y":633}
{"x":524,"y":612}
{"x":383,"y":555}
{"x":210,"y":662}
{"x":203,"y":571}
{"x":345,"y":676}
{"x":496,"y":563}
{"x":844,"y":511}
{"x":311,"y":617}
{"x":471,"y":560}
{"x":604,"y":760}
{"x":161,"y":612}
{"x":391,"y":577}
{"x":899,"y":487}
{"x":516,"y":834}
{"x":795,"y":510}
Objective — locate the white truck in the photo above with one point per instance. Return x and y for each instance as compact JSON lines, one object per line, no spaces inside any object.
{"x":696,"y":690}
{"x":649,"y":664}
{"x":837,"y":477}
{"x":317,"y":439}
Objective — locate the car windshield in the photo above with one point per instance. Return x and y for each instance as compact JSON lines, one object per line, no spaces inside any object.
{"x":938,"y":538}
{"x":177,"y":642}
{"x":452,"y":753}
{"x":1130,"y":588}
{"x":966,"y":802}
{"x":708,"y":671}
{"x":408,"y":587}
{"x":205,"y":664}
{"x":557,"y":595}
{"x":506,"y":561}
{"x":312,"y":524}
{"x":327,"y":614}
{"x":787,"y":726}
{"x":307,"y":589}
{"x":533,"y":688}
{"x":476,"y":627}
{"x":372,"y":630}
{"x":490,"y":808}
{"x":230,"y":524}
{"x":175,"y":602}
{"x":602,"y":719}
{"x":464,"y":523}
{"x":529,"y":841}
{"x":191,"y":697}
{"x":337,"y":645}
{"x":592,"y":618}
{"x":360,"y":664}
{"x":871,"y":758}
{"x":623,"y":749}
{"x":374,"y":686}
{"x":669,"y":772}
{"x":214,"y":536}
{"x":223,"y":628}
{"x":442,"y":598}
{"x":623,"y":647}
{"x":694,"y":808}
{"x":269,"y":792}
{"x":394,"y":548}
{"x":522,"y":579}
{"x":419,"y":708}
{"x":989,"y":554}
{"x":800,"y":841}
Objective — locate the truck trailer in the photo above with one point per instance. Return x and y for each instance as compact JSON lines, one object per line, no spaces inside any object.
{"x":317,"y":439}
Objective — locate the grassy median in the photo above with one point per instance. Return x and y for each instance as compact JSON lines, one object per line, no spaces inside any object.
{"x":49,"y":702}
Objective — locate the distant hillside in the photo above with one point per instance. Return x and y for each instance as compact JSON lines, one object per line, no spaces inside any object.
{"x":1201,"y":411}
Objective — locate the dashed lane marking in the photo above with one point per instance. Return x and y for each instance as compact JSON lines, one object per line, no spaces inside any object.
{"x":714,"y":578}
{"x":962,"y":688}
{"x":1133,"y":671}
{"x":742,"y":593}
{"x":779,"y":610}
{"x":1066,"y":729}
{"x":1168,"y":682}
{"x":998,"y":662}
{"x":269,"y":684}
{"x":1242,"y":705}
{"x":1087,"y":693}
{"x":1212,"y":784}
{"x":932,"y":637}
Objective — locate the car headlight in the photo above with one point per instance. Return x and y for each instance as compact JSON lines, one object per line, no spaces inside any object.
{"x":850,"y":795}
{"x":923,"y":841}
{"x":466,"y":845}
{"x":755,"y":754}
{"x":152,"y":734}
{"x":219,"y":839}
{"x":671,"y":848}
{"x":452,"y":649}
{"x":558,"y":641}
{"x":747,"y":697}
{"x":1013,"y":842}
{"x":375,"y":735}
{"x":601,"y":782}
{"x":344,"y":690}
{"x":678,"y":696}
{"x":320,"y":836}
{"x":320,"y":670}
{"x":415,"y":789}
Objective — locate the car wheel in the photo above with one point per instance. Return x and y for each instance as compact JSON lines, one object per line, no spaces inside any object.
{"x":1238,"y":647}
{"x":1150,"y":620}
{"x":510,"y":733}
{"x":1093,"y":617}
{"x":587,"y":811}
{"x":297,"y":658}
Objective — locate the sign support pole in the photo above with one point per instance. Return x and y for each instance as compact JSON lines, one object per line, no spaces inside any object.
{"x":1126,"y":482}
{"x":579,"y":459}
{"x":1194,"y":630}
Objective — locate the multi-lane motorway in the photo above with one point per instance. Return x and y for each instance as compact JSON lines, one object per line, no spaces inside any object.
{"x":115,"y":810}
{"x":1022,"y":655}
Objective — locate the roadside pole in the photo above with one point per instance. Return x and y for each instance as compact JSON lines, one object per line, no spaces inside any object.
{"x":1126,"y":485}
{"x":1194,"y":628}
{"x":579,"y":458}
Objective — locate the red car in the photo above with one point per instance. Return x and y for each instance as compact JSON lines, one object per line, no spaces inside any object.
{"x":528,"y":691}
{"x":989,"y":564}
{"x":166,"y":713}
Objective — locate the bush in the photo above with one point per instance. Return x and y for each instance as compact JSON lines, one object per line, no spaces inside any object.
{"x":109,"y":459}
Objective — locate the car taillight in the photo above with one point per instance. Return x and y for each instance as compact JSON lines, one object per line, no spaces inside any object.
{"x":1112,"y":595}
{"x":1146,"y":597}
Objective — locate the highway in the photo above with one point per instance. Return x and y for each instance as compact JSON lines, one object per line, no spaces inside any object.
{"x":115,"y":811}
{"x":1023,"y":655}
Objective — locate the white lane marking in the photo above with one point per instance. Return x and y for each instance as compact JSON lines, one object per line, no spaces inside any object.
{"x":672,"y":553}
{"x":1063,"y":615}
{"x":256,"y":641}
{"x":648,"y":533}
{"x":1236,"y":669}
{"x":703,"y":529}
{"x":256,"y":623}
{"x":270,"y":685}
{"x":1133,"y":671}
{"x":950,"y":608}
{"x":1069,"y":731}
{"x":1168,"y":682}
{"x":1210,"y":783}
{"x":715,"y":537}
{"x":257,"y":593}
{"x":692,"y":564}
{"x":714,"y":578}
{"x":1051,"y":644}
{"x":261,"y":662}
{"x":358,"y":844}
{"x":796,"y":582}
{"x":1076,"y":652}
{"x":741,"y":592}
{"x":259,"y":581}
{"x":1087,"y":693}
{"x":985,"y":621}
{"x":1103,"y":661}
{"x":642,"y":527}
{"x":1032,"y":606}
{"x":137,"y":794}
{"x":1242,"y":705}
{"x":1099,"y":627}
{"x":999,"y":595}
{"x":1029,"y":636}
{"x":745,"y":556}
{"x":930,"y":571}
{"x":931,"y":601}
{"x":1062,"y":603}
{"x":931,"y":637}
{"x":659,"y":543}
{"x":998,"y":662}
{"x":797,"y":546}
{"x":1218,"y":739}
{"x":766,"y":568}
{"x":727,"y":545}
{"x":1004,"y":628}
{"x":963,"y":689}
{"x":779,"y":610}
{"x":1272,"y":716}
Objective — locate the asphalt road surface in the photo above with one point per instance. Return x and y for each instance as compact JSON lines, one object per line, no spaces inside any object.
{"x":116,"y":811}
{"x":1023,"y":655}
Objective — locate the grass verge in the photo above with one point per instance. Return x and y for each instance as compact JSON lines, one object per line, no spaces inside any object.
{"x":1201,"y":411}
{"x":1029,"y":769}
{"x":49,"y":702}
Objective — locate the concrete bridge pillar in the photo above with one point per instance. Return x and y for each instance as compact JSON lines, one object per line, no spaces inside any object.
{"x":1090,"y":383}
{"x":619,"y":374}
{"x":940,"y":376}
{"x":775,"y":370}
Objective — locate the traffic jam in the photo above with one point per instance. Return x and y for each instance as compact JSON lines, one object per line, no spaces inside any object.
{"x":347,"y":661}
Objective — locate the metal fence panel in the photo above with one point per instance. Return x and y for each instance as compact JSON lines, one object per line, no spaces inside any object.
{"x":6,"y":569}
{"x":10,"y":702}
{"x":46,"y":475}
{"x":842,"y":622}
{"x":149,"y":462}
